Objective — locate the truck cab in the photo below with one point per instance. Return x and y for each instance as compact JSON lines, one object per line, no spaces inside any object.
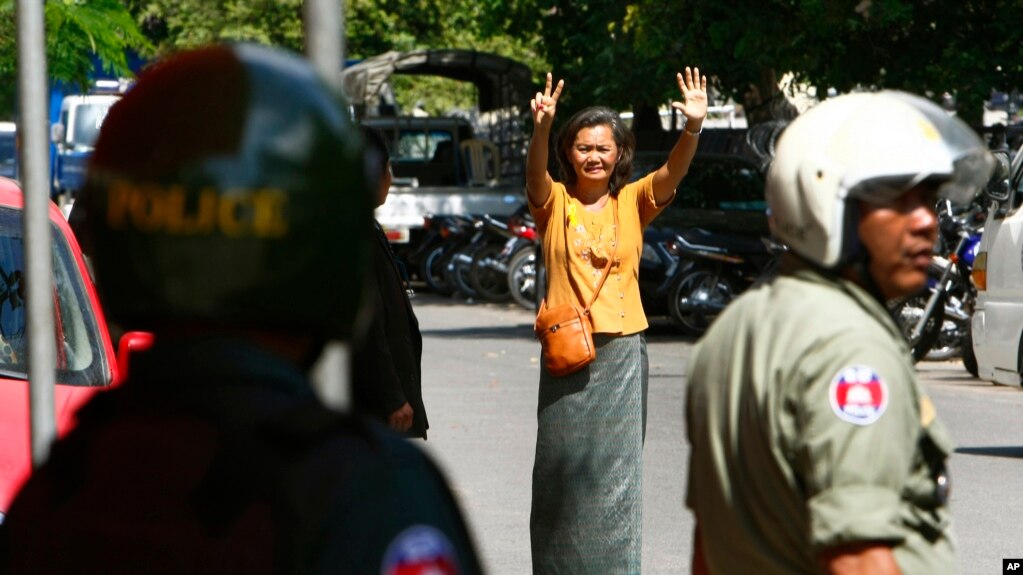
{"x":434,"y":173}
{"x":74,"y":131}
{"x":424,"y":149}
{"x":74,"y":136}
{"x":446,"y":164}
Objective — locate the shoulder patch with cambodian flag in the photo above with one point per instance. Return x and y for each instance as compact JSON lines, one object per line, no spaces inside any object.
{"x":858,"y":395}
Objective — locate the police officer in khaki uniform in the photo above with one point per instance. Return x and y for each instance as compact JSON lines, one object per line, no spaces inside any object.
{"x":814,"y":447}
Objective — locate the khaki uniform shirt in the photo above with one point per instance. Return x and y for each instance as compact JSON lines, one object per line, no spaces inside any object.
{"x":573,"y":273}
{"x":809,"y":430}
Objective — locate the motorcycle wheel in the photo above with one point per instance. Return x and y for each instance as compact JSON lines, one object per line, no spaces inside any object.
{"x":522,"y":278}
{"x":457,"y":272}
{"x":907,"y":312}
{"x":694,"y":287}
{"x":948,"y":345}
{"x":488,"y":275}
{"x":432,"y":272}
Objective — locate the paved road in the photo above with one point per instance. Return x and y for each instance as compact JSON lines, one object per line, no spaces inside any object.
{"x":480,"y":372}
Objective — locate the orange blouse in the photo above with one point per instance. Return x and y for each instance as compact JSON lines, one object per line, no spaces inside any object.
{"x":577,"y":243}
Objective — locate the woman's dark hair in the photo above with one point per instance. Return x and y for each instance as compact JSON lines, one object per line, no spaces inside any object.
{"x":588,"y":118}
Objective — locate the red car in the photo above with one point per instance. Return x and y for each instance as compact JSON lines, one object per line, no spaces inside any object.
{"x":86,"y":363}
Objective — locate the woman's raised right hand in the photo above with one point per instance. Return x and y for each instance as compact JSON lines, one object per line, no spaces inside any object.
{"x":544,"y":103}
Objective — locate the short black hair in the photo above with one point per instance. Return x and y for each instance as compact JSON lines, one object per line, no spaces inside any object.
{"x":376,"y":147}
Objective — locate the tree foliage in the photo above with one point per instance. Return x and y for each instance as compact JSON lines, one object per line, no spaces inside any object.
{"x":182,"y":24}
{"x":966,"y":48}
{"x":372,"y":27}
{"x":620,"y":54}
{"x":377,"y":26}
{"x":625,"y":54}
{"x":77,"y":35}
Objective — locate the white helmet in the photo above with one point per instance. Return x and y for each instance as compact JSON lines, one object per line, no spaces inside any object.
{"x":868,"y":146}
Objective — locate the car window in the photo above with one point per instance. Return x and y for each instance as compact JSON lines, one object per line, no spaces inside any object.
{"x":80,"y":355}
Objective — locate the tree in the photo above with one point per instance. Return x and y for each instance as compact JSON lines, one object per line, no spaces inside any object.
{"x":620,"y":54}
{"x":377,"y":26}
{"x":625,"y":54}
{"x":964,"y":48}
{"x":587,"y":45}
{"x":77,"y":34}
{"x":372,"y":27}
{"x":181,"y":24}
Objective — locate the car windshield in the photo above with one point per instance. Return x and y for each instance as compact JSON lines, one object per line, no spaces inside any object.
{"x":80,"y":355}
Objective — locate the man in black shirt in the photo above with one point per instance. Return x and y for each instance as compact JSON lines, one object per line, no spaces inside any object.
{"x":387,"y":382}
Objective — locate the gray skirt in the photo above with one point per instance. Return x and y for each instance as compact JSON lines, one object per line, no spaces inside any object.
{"x":587,"y":511}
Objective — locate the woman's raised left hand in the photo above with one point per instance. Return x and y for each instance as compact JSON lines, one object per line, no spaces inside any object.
{"x":694,"y":95}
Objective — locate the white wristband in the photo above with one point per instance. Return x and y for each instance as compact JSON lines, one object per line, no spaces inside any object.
{"x":693,"y":134}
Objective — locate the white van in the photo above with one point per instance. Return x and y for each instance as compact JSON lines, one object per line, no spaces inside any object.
{"x":998,"y":274}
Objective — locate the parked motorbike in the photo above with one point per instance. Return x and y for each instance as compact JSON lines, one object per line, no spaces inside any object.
{"x":516,"y":266}
{"x":480,"y":256}
{"x":936,"y":322}
{"x":489,"y":269}
{"x":657,"y":265}
{"x":713,"y":269}
{"x":487,"y":239}
{"x":445,"y":234}
{"x":523,"y":276}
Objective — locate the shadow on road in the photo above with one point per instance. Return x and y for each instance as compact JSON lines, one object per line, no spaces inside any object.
{"x":522,"y":330}
{"x":1014,"y":452}
{"x":662,"y":332}
{"x":662,"y":329}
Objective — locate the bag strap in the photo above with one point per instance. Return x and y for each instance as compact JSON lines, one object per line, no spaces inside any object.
{"x":607,"y":266}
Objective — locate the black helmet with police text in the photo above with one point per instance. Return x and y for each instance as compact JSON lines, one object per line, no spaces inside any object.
{"x":227,"y":187}
{"x":867,"y":146}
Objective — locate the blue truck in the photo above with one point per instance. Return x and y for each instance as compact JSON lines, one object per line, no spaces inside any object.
{"x":75,"y":120}
{"x":8,"y":150}
{"x":76,"y":114}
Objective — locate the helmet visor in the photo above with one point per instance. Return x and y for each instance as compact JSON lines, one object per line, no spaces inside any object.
{"x":954,"y":158}
{"x":969,"y":174}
